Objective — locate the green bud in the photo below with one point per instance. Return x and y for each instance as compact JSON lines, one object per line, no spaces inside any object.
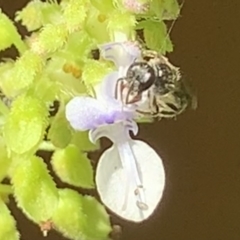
{"x":94,"y":71}
{"x":121,"y":26}
{"x":23,"y":74}
{"x":34,"y":189}
{"x":8,"y":229}
{"x":51,"y":38}
{"x":74,"y":14}
{"x":37,"y":13}
{"x":31,"y":15}
{"x":25,"y":125}
{"x":73,"y":167}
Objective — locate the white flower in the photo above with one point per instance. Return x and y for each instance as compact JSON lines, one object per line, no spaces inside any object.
{"x":130,"y":177}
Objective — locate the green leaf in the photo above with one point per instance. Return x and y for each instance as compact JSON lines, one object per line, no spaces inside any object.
{"x":73,"y":167}
{"x":8,"y":229}
{"x":25,"y":125}
{"x":81,"y":140}
{"x":171,"y":9}
{"x":34,"y":189}
{"x":60,"y":132}
{"x":68,"y":217}
{"x":97,"y":223}
{"x":156,"y":36}
{"x":165,"y":10}
{"x":81,"y":217}
{"x":157,"y":7}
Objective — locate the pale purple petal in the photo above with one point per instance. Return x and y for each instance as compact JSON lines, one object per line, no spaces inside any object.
{"x":122,"y":54}
{"x":84,"y":113}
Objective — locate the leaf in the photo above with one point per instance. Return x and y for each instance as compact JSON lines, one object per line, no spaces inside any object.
{"x":165,"y":9}
{"x":73,"y":167}
{"x":81,"y":217}
{"x":8,"y":229}
{"x":157,"y":7}
{"x":171,"y":9}
{"x":97,"y":224}
{"x":156,"y":36}
{"x":115,"y":186}
{"x":34,"y":190}
{"x":25,"y":126}
{"x":60,"y":132}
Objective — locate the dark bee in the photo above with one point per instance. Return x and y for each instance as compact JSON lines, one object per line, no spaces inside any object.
{"x":140,"y":76}
{"x":167,"y":93}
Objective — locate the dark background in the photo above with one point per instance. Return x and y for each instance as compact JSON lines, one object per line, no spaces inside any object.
{"x":200,"y":150}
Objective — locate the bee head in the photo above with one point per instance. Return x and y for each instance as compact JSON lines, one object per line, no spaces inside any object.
{"x":141,"y":76}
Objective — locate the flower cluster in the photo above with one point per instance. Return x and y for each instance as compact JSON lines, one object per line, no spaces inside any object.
{"x":58,"y":96}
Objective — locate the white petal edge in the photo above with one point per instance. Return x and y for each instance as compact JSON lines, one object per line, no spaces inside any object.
{"x":113,"y":184}
{"x":122,"y":54}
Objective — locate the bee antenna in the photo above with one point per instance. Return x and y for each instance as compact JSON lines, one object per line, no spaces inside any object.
{"x":172,"y":25}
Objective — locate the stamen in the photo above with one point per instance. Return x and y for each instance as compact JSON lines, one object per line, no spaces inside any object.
{"x":130,"y":164}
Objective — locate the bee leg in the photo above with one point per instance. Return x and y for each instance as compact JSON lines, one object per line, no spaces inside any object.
{"x":119,"y":89}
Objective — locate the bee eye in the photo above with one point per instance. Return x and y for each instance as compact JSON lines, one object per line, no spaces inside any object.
{"x":142,"y":74}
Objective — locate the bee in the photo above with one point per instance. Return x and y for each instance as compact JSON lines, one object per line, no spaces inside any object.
{"x":160,"y":82}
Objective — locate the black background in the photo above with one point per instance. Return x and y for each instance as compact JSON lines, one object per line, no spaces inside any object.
{"x":200,"y":150}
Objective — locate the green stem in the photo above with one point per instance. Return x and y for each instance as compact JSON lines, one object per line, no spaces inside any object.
{"x":20,"y":45}
{"x":47,"y":146}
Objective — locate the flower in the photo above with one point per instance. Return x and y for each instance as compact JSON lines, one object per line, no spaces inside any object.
{"x":130,"y":176}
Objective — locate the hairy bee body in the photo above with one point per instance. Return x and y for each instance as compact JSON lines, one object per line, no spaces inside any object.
{"x":167,"y":93}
